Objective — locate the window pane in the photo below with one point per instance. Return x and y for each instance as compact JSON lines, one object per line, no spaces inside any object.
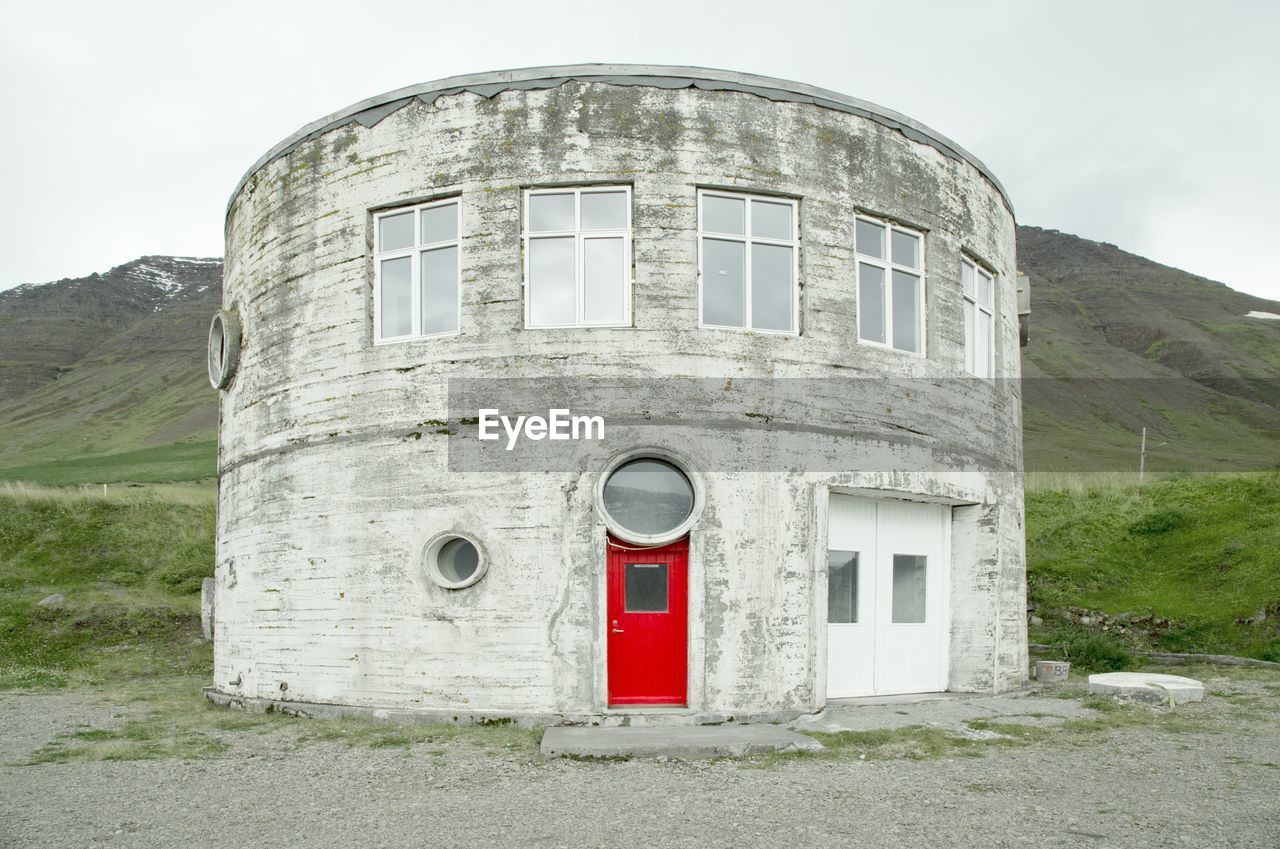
{"x":984,"y":288}
{"x":604,"y":210}
{"x":906,"y":249}
{"x":440,"y":290}
{"x":457,"y":560}
{"x":870,"y":302}
{"x":648,"y":496}
{"x":969,"y":341}
{"x":870,"y":239}
{"x":552,"y":300}
{"x":906,"y":312}
{"x":551,"y":212}
{"x":842,"y":587}
{"x":395,"y":232}
{"x":982,"y":361}
{"x":396,"y":285}
{"x":966,"y":279}
{"x":646,"y":588}
{"x":723,"y":283}
{"x":771,"y":290}
{"x":604,"y":279}
{"x":724,"y":215}
{"x":440,"y":223}
{"x":770,"y":220}
{"x":908,"y":588}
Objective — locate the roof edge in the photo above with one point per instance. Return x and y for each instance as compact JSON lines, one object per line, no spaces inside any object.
{"x":491,"y":83}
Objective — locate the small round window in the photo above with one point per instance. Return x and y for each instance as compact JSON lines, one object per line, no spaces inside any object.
{"x":648,"y":497}
{"x":455,"y":560}
{"x":224,"y":348}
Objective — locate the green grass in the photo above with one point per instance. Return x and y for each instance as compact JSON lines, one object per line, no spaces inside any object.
{"x":181,"y":461}
{"x":1201,"y":551}
{"x":129,"y":564}
{"x":167,"y":717}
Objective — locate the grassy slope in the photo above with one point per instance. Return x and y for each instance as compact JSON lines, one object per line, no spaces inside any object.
{"x":1200,"y":551}
{"x":135,"y":394}
{"x":1119,"y":342}
{"x":130,"y":564}
{"x":181,"y":461}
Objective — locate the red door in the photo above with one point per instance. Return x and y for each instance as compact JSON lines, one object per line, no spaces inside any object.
{"x":648,"y":624}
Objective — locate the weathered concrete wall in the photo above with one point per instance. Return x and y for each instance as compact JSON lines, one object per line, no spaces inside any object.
{"x":333,"y":476}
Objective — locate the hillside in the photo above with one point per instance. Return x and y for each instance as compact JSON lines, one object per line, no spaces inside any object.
{"x":108,"y":364}
{"x":102,"y":377}
{"x":1119,"y":342}
{"x":1182,"y":565}
{"x":128,"y":567}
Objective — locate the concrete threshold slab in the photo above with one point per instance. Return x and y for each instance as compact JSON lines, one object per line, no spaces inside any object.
{"x":686,"y":743}
{"x":905,"y":699}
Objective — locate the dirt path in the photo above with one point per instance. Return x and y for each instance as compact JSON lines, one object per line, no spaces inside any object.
{"x":1211,"y":782}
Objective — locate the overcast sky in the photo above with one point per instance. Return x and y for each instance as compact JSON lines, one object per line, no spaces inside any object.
{"x":1153,"y":125}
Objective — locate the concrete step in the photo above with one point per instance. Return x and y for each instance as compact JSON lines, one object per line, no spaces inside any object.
{"x":686,"y":743}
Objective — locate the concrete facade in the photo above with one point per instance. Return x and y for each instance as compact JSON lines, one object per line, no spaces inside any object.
{"x":333,"y":457}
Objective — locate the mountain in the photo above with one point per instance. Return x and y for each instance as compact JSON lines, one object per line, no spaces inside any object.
{"x":107,"y":364}
{"x":102,"y":378}
{"x":1119,"y":343}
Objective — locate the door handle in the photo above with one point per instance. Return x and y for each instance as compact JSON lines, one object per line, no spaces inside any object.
{"x":617,"y":630}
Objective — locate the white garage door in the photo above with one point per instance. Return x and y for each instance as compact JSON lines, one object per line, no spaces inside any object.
{"x":886,"y":597}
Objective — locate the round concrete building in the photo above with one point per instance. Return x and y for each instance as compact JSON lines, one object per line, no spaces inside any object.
{"x":588,"y":391}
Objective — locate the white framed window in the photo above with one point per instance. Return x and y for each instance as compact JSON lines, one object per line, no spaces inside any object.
{"x":416,"y":271}
{"x":577,"y":257}
{"x":890,"y":260}
{"x":979,"y":319}
{"x":747,"y":262}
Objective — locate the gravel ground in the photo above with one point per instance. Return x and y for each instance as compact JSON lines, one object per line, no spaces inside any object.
{"x":1214,"y":787}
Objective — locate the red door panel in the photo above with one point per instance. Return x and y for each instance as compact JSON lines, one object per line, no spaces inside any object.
{"x":648,"y":624}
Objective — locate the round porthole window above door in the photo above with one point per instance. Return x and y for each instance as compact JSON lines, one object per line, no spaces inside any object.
{"x":648,"y":499}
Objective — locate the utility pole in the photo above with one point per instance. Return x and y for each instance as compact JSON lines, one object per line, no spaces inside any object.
{"x":1142,"y":456}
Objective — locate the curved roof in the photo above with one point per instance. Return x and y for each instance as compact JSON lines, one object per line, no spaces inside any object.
{"x":370,"y":111}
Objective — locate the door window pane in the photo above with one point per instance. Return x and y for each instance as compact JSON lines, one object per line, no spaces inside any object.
{"x":397,"y":293}
{"x":440,"y":223}
{"x":908,"y":588}
{"x":395,"y":232}
{"x":842,"y":587}
{"x":906,"y":311}
{"x":871,"y":302}
{"x":771,"y":287}
{"x":906,"y":249}
{"x":770,"y":220}
{"x":869,"y":239}
{"x":604,"y":210}
{"x":723,"y":283}
{"x":551,"y":212}
{"x":724,"y":215}
{"x":440,"y":290}
{"x":604,"y":279}
{"x":552,"y":299}
{"x":648,"y":496}
{"x":646,"y":588}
